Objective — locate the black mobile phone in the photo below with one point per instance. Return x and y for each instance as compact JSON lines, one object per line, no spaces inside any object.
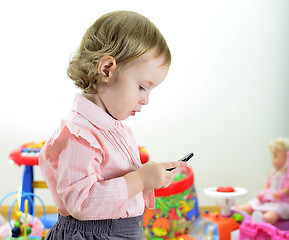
{"x":184,"y":159}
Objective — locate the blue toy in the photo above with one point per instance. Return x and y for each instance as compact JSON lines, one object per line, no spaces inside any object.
{"x":22,"y":226}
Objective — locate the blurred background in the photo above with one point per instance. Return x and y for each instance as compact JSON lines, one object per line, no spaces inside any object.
{"x":225,"y":97}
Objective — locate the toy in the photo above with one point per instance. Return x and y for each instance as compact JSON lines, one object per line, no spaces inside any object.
{"x":225,"y":225}
{"x":203,"y":229}
{"x":143,"y":154}
{"x":211,"y":226}
{"x":26,"y":155}
{"x":261,"y":231}
{"x":24,"y":224}
{"x":273,"y":200}
{"x":225,"y":197}
{"x":176,"y":208}
{"x":185,"y":237}
{"x":20,"y":225}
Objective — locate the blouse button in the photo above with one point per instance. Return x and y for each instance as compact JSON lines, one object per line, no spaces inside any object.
{"x":118,"y":124}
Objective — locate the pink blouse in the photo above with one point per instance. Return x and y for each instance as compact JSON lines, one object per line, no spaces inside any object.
{"x":84,"y":162}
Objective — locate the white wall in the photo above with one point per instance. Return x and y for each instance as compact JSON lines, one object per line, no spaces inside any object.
{"x":225,"y":98}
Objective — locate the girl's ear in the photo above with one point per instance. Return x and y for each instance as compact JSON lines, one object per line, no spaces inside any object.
{"x":106,"y":65}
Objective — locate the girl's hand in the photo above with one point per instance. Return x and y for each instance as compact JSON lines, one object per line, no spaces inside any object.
{"x":151,"y":176}
{"x":154,"y":175}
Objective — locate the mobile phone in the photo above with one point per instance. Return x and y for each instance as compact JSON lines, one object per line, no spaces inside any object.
{"x":184,"y":159}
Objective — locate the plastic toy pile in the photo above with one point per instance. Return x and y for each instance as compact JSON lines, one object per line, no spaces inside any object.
{"x":23,"y":226}
{"x":176,"y":208}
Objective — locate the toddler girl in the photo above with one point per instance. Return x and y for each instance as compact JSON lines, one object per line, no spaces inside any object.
{"x":273,"y":200}
{"x":91,"y":163}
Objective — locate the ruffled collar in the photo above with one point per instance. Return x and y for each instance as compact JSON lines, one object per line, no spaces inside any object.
{"x":93,"y":113}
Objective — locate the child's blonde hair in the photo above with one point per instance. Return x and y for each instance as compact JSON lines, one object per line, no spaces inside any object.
{"x":279,"y":143}
{"x":283,"y":145}
{"x":123,"y":35}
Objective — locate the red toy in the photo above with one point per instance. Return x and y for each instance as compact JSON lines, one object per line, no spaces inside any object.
{"x":225,"y":189}
{"x":27,"y":154}
{"x":144,"y":156}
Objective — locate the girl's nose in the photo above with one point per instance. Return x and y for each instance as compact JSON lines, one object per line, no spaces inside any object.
{"x":145,"y":100}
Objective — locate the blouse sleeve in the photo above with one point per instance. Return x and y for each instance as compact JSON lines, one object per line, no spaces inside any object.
{"x":80,"y":186}
{"x":149,"y":196}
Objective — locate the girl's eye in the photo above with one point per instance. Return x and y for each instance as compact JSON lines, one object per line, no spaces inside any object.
{"x":141,"y":88}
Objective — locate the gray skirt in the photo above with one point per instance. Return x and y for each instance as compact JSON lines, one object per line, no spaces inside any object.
{"x":69,"y":228}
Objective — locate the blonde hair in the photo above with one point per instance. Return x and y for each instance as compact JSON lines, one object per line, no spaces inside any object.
{"x":279,"y":143}
{"x":123,"y":35}
{"x":283,"y":145}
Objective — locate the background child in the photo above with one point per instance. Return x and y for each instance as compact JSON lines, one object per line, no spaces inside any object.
{"x":91,"y":163}
{"x":273,"y":200}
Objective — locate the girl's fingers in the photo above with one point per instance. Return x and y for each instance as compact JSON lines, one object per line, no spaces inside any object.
{"x":168,"y":182}
{"x":169,"y":177}
{"x":165,"y":186}
{"x":172,"y":165}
